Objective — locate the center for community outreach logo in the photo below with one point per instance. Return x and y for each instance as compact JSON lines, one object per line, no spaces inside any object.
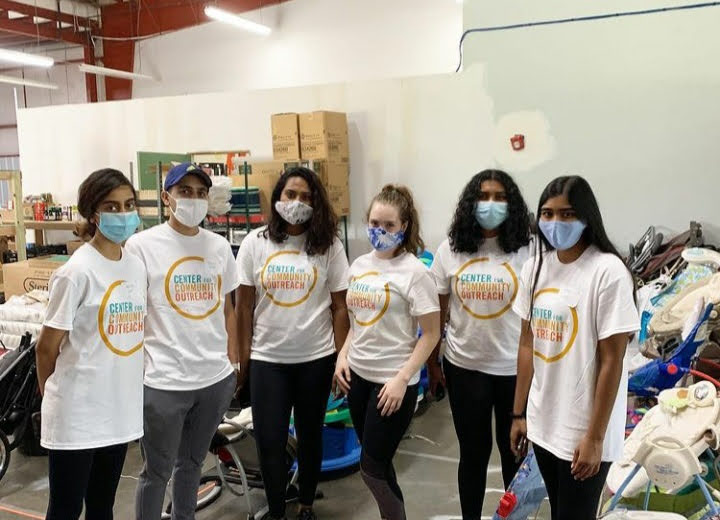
{"x":555,"y":329}
{"x":492,"y":288}
{"x":120,"y":321}
{"x":288,"y":278}
{"x":190,"y":290}
{"x":370,"y":300}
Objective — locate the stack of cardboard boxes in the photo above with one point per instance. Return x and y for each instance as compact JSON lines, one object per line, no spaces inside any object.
{"x":316,"y":140}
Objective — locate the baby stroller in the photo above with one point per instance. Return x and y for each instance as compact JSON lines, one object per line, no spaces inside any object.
{"x":19,"y":398}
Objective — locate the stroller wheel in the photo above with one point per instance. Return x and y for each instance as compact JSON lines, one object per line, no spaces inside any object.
{"x":4,"y":454}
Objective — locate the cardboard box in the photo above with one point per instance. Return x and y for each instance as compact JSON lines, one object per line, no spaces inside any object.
{"x":285,"y":136}
{"x":335,"y":176}
{"x":324,"y":135}
{"x":263,"y":175}
{"x":23,"y":277}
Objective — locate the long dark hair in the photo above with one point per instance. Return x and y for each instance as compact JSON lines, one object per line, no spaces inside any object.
{"x":400,"y":197}
{"x":93,"y":191}
{"x":466,"y":235}
{"x":322,"y":228}
{"x":582,"y":200}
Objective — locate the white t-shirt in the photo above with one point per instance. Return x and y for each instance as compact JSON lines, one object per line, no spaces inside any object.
{"x":575,"y":306}
{"x":292,"y":321}
{"x":482,"y":333}
{"x":94,"y":398}
{"x":188,"y":279}
{"x":384,"y":299}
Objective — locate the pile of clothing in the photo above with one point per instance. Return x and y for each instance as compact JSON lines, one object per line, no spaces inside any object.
{"x":21,"y":314}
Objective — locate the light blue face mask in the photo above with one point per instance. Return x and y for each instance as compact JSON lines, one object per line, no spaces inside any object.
{"x":562,"y":235}
{"x":118,"y":227}
{"x":381,"y":240}
{"x":490,"y":215}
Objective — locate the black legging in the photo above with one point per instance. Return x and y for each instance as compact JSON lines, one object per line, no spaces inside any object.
{"x":91,"y":476}
{"x":473,"y":397}
{"x":275,"y":390}
{"x":380,"y":438}
{"x":570,"y":499}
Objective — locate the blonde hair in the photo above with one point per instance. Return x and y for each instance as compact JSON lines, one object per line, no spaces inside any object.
{"x":401,"y":198}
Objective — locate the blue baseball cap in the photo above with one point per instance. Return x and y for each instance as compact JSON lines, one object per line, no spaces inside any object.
{"x":177,"y":173}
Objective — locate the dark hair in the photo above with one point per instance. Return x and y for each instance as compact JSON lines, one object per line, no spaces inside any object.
{"x":466,"y":235}
{"x":93,"y":191}
{"x":322,"y":228}
{"x":401,"y":198}
{"x":583,"y":201}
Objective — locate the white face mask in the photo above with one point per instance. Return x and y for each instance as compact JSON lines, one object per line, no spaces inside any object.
{"x":190,"y":212}
{"x":294,"y":212}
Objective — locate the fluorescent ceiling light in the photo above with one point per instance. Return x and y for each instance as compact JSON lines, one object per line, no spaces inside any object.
{"x":115,"y":73}
{"x":13,"y":80}
{"x":23,"y":58}
{"x":233,"y":19}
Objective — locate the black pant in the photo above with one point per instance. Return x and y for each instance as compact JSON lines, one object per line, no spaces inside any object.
{"x":473,"y":397}
{"x":275,"y":390}
{"x":380,"y":437}
{"x":91,"y":476}
{"x":570,"y":499}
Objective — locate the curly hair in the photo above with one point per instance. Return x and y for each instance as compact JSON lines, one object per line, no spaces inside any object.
{"x":322,"y":228}
{"x":466,"y":235}
{"x":400,"y":197}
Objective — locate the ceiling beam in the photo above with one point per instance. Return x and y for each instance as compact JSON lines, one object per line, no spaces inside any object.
{"x":42,"y":31}
{"x":56,"y":16}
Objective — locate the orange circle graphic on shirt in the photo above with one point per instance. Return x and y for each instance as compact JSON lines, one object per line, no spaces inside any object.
{"x":270,"y":295}
{"x":494,"y":315}
{"x":573,"y":336}
{"x":101,"y":327}
{"x":385,"y":305}
{"x":174,"y":305}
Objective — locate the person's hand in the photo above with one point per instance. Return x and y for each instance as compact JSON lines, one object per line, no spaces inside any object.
{"x":241,"y":373}
{"x":518,"y":438}
{"x":341,"y":381}
{"x":391,"y":396}
{"x":587,"y":458}
{"x":435,"y":376}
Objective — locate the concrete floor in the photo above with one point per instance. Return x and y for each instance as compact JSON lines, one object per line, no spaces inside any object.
{"x":426,"y":465}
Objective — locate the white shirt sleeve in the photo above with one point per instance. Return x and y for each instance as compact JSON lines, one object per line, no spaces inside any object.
{"x":521,"y":305}
{"x":439,"y":269}
{"x":616,"y":311}
{"x":337,"y":273}
{"x":423,"y":295}
{"x":63,"y":303}
{"x":231,"y":276}
{"x":245,"y":261}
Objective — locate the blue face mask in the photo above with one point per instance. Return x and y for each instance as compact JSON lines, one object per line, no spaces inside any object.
{"x":490,"y":215}
{"x":118,"y":227}
{"x":381,"y":240}
{"x":562,"y":235}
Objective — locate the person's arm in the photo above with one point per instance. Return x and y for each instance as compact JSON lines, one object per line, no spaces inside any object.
{"x":435,"y":373}
{"x":47,"y":351}
{"x":231,"y":325}
{"x":588,"y":454}
{"x":525,"y":373}
{"x":340,"y":319}
{"x":244,"y":309}
{"x":342,"y":367}
{"x":391,"y":396}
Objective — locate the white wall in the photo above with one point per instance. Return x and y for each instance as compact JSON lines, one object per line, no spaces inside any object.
{"x":631,"y":103}
{"x":314,"y":42}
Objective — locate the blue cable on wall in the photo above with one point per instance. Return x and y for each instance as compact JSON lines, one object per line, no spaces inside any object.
{"x":578,"y":19}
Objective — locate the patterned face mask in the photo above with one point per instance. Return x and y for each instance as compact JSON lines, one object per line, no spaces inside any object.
{"x":294,"y":212}
{"x":381,"y":240}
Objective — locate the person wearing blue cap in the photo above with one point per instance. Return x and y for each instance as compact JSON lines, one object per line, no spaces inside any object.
{"x":191,"y":343}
